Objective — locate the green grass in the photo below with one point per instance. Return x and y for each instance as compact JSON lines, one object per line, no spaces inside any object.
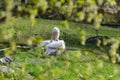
{"x":73,"y":65}
{"x":43,"y":28}
{"x":87,"y":62}
{"x":71,"y":36}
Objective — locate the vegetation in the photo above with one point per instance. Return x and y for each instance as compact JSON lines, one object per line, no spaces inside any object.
{"x":22,"y":27}
{"x":72,"y":65}
{"x":81,"y":61}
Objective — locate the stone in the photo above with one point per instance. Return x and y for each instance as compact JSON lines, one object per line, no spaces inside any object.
{"x":7,"y":59}
{"x":5,"y":69}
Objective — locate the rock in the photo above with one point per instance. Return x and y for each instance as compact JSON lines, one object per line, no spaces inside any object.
{"x":5,"y":69}
{"x":30,"y":77}
{"x":110,"y":8}
{"x":7,"y":59}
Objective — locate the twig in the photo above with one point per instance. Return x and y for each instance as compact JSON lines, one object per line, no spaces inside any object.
{"x":4,"y":49}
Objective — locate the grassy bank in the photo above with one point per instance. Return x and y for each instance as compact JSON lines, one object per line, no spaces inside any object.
{"x":43,"y":28}
{"x":82,"y":63}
